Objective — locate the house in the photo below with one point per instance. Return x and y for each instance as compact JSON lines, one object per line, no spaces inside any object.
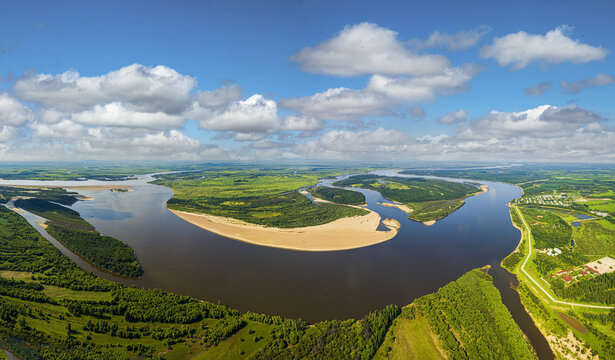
{"x":567,"y":278}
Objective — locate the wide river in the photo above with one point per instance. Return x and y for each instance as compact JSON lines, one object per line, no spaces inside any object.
{"x":180,"y":257}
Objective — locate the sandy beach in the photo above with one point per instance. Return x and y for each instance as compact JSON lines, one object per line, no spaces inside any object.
{"x":429,"y":222}
{"x":341,"y":234}
{"x":402,"y":207}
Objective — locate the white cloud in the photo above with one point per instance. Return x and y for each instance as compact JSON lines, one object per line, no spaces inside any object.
{"x":302,"y":123}
{"x":343,"y":142}
{"x":453,"y":117}
{"x":116,"y":114}
{"x":460,"y":40}
{"x":521,"y":49}
{"x":221,"y":96}
{"x":545,"y":121}
{"x":449,"y":82}
{"x":538,"y":90}
{"x":7,"y":133}
{"x":12,"y":112}
{"x":138,"y":87}
{"x":367,"y":48}
{"x":574,"y":87}
{"x":380,"y":94}
{"x":339,"y":104}
{"x":255,"y":114}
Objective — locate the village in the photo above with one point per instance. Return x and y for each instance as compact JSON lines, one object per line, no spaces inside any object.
{"x":558,"y":200}
{"x":573,"y":275}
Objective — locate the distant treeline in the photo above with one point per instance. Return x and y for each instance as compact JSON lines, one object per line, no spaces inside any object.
{"x":340,"y":196}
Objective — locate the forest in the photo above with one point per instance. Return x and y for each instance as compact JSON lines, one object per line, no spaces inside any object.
{"x":67,"y":226}
{"x":339,"y":196}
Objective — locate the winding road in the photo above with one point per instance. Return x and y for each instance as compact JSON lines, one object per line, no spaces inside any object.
{"x":529,"y":237}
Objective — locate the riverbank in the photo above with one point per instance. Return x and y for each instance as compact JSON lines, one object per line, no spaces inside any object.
{"x":341,"y":234}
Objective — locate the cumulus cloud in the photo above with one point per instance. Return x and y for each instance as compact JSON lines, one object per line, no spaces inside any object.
{"x":116,"y":114}
{"x":574,"y":87}
{"x":521,"y":49}
{"x":221,"y":96}
{"x":538,"y":90}
{"x":453,"y":117}
{"x":12,"y":112}
{"x":302,"y":123}
{"x":380,"y":94}
{"x":138,"y":87}
{"x":545,"y":121}
{"x":367,"y":48}
{"x":254,"y":114}
{"x":460,"y":40}
{"x":342,"y":142}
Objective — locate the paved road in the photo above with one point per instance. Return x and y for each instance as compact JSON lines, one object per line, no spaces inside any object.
{"x":529,"y":237}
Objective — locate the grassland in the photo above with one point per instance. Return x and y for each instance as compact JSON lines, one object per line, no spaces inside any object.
{"x":266,"y":197}
{"x":429,"y":199}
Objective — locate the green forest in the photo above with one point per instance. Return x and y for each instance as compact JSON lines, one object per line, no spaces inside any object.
{"x":67,"y":226}
{"x":339,"y":196}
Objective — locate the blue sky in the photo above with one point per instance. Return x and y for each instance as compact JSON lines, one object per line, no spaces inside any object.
{"x":252,"y":51}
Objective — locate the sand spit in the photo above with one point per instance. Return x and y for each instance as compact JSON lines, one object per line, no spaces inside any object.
{"x":43,"y":225}
{"x":391,"y":223}
{"x":341,"y":234}
{"x":429,"y":222}
{"x":402,"y":207}
{"x":83,"y":197}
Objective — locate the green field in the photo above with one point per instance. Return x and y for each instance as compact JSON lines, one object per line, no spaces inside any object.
{"x":266,"y":197}
{"x":430,"y":199}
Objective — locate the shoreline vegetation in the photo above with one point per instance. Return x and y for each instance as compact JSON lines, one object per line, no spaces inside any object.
{"x":341,"y":234}
{"x":422,"y":199}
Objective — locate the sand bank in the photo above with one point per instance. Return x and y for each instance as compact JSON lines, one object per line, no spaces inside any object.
{"x":391,"y":223}
{"x":402,"y":207}
{"x":83,"y":197}
{"x":429,"y":222}
{"x":341,"y":234}
{"x":94,"y":187}
{"x":43,"y":225}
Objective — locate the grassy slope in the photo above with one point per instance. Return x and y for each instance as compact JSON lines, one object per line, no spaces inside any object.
{"x":265,"y":197}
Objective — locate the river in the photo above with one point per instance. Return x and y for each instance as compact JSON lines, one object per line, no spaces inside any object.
{"x":180,"y":257}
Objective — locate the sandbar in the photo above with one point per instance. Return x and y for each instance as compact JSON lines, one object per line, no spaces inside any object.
{"x":83,"y":197}
{"x":402,"y":207}
{"x":43,"y":225}
{"x":429,"y":222}
{"x":342,"y":234}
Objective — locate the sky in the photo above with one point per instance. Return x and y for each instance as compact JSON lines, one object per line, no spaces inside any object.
{"x":307,"y":80}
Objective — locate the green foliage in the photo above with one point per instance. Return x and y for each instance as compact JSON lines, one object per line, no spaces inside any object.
{"x":22,"y":248}
{"x":335,"y":339}
{"x":340,"y":196}
{"x":600,"y":289}
{"x":595,"y":237}
{"x":222,"y":330}
{"x":103,"y":251}
{"x":67,"y":226}
{"x":548,"y":229}
{"x":471,"y":321}
{"x":54,"y":213}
